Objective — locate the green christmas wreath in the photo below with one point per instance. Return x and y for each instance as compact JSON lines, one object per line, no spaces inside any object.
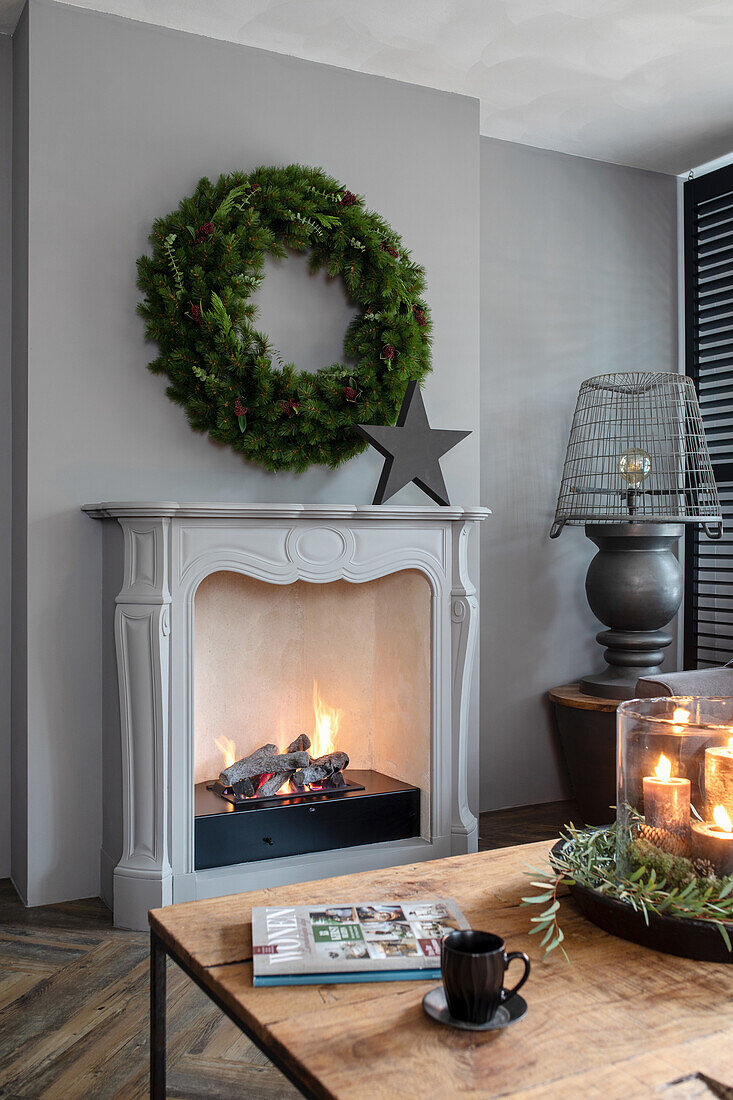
{"x":208,"y":259}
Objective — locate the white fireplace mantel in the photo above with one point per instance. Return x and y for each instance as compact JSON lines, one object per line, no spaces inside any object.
{"x":169,"y":548}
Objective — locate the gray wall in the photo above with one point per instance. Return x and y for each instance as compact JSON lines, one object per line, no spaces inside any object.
{"x":6,"y":130}
{"x":578,"y":277}
{"x":125,"y":118}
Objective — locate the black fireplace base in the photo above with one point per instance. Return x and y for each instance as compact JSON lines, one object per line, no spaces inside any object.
{"x":384,"y":810}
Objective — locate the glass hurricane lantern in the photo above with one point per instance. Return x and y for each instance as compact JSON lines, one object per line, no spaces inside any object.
{"x":675,"y":785}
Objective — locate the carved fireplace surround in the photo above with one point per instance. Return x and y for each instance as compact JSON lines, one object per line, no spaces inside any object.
{"x":169,"y":549}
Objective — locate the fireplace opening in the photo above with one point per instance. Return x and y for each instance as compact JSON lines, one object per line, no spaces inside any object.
{"x":327,"y":766}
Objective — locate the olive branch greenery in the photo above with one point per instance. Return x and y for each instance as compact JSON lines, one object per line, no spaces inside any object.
{"x":658,"y":883}
{"x":168,"y":249}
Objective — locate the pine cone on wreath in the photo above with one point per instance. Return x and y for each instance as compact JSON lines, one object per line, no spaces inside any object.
{"x":196,"y":313}
{"x":350,"y":394}
{"x":348,"y":198}
{"x":419,"y":315}
{"x":388,"y":351}
{"x":390,"y":248}
{"x":669,"y":842}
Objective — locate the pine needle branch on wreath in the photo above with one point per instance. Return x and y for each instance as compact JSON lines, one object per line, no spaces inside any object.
{"x":228,"y":202}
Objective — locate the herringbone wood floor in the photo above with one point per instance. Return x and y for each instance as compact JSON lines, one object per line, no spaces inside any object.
{"x":74,"y":1015}
{"x":74,"y":1002}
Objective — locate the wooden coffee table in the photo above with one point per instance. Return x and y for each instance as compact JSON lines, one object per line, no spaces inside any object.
{"x":615,"y":1021}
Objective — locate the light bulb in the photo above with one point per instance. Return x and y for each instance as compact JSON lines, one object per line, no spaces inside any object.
{"x":634,"y":465}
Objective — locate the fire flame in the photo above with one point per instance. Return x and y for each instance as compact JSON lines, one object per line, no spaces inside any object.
{"x":228,"y":750}
{"x":721,"y":819}
{"x":663,"y":769}
{"x":730,"y":744}
{"x":325,"y":728}
{"x":326,"y":725}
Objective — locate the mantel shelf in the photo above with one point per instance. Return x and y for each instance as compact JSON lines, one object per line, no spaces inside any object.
{"x":216,"y":510}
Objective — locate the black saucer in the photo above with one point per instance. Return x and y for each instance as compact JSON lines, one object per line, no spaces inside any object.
{"x":435,"y":1005}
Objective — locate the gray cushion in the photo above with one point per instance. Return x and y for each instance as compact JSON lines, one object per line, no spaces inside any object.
{"x":703,"y":681}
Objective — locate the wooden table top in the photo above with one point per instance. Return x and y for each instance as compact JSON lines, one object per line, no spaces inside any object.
{"x":615,"y":1021}
{"x":570,"y":695}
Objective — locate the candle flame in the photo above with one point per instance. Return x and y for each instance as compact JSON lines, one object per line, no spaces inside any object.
{"x":228,"y":750}
{"x":326,"y":724}
{"x":663,"y":769}
{"x":721,"y":819}
{"x":680,"y":715}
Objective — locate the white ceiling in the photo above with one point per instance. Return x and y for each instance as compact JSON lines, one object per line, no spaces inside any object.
{"x":647,"y":83}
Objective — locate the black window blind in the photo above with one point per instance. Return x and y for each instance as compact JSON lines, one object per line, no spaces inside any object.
{"x":708,"y":208}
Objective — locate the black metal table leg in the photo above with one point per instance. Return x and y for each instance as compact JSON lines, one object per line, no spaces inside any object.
{"x":157,"y":1017}
{"x":158,"y":956}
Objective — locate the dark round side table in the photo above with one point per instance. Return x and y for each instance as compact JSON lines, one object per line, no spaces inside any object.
{"x":586,"y":727}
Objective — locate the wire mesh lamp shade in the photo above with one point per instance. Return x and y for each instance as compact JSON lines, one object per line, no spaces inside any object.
{"x":637,"y":453}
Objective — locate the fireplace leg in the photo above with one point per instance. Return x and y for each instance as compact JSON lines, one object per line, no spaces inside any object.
{"x":158,"y":959}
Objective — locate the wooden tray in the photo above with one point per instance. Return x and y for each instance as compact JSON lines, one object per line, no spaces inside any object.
{"x":689,"y":938}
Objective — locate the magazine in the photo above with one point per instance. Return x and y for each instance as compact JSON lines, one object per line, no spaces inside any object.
{"x":351,"y":942}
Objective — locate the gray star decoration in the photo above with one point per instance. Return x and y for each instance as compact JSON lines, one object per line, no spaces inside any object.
{"x":412,"y":450}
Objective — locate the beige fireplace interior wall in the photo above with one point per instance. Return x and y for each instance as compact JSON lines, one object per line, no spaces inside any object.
{"x":259,"y":648}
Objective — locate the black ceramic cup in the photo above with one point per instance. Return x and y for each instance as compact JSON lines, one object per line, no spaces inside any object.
{"x":473,"y":965}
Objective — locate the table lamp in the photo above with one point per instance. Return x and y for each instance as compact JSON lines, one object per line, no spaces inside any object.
{"x":637,"y":469}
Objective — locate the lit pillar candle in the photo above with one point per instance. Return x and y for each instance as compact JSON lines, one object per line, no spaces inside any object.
{"x":667,"y":800}
{"x":714,"y":841}
{"x":719,"y":779}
